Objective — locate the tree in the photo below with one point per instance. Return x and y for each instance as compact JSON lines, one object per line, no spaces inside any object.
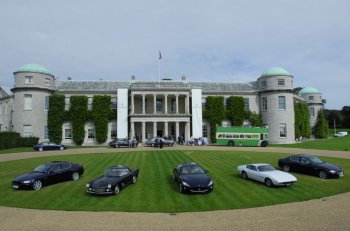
{"x":55,"y":117}
{"x":78,"y":114}
{"x":215,"y":113}
{"x":302,"y":120}
{"x":346,"y":116}
{"x":235,"y":110}
{"x":101,"y":110}
{"x":321,"y":127}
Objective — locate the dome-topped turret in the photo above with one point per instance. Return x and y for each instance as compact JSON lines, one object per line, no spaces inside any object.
{"x":275,"y":71}
{"x":32,"y":67}
{"x":308,"y":90}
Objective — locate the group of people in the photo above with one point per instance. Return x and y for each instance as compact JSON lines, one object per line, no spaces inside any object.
{"x":159,"y":142}
{"x":133,"y":142}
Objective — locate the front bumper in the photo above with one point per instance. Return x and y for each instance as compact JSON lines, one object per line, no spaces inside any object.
{"x":198,"y":189}
{"x":99,"y":191}
{"x":21,"y":185}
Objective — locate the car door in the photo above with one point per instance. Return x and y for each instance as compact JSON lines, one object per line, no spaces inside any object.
{"x":176,"y":173}
{"x":294,"y":163}
{"x":54,"y":173}
{"x":66,"y":171}
{"x":252,"y":172}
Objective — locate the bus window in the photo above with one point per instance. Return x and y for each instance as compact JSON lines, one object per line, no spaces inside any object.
{"x":228,"y":135}
{"x":255,"y":136}
{"x":261,"y":136}
{"x":220,"y":136}
{"x":248,"y":136}
{"x":241,"y":136}
{"x":235,"y":136}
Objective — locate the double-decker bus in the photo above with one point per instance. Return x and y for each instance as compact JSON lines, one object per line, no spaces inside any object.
{"x":242,"y":136}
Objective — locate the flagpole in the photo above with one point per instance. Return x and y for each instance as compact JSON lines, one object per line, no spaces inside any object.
{"x":160,"y":57}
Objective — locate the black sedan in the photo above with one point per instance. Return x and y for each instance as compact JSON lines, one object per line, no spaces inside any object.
{"x":48,"y":173}
{"x":155,"y":141}
{"x":310,"y":165}
{"x":49,"y":146}
{"x":113,"y":180}
{"x":191,"y":177}
{"x":123,"y":142}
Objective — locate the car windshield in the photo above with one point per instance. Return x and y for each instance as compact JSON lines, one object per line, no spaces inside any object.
{"x":265,"y":168}
{"x":43,"y":168}
{"x":315,"y":160}
{"x":192,"y":170}
{"x":113,"y":172}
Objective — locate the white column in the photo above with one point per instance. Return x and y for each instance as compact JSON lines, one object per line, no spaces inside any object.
{"x":143,"y":104}
{"x":177,"y":103}
{"x":166,"y":129}
{"x":122,"y":112}
{"x":132,"y":104}
{"x":187,"y":131}
{"x":187,"y":104}
{"x":154,"y":104}
{"x":143,"y":132}
{"x":132,"y":128}
{"x":154,"y":129}
{"x":165,"y":104}
{"x":177,"y":130}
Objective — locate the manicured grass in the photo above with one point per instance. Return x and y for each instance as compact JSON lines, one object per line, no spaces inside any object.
{"x":333,"y":143}
{"x":156,"y":192}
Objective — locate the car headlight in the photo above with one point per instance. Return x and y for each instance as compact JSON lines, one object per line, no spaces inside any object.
{"x":26,"y":182}
{"x":332,"y":171}
{"x":109,"y":186}
{"x":87,"y":185}
{"x":210,"y":183}
{"x":185,"y":184}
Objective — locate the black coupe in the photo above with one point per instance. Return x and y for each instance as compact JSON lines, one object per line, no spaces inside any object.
{"x":48,"y":173}
{"x":310,"y":165}
{"x":113,"y":180}
{"x":49,"y":146}
{"x":191,"y":177}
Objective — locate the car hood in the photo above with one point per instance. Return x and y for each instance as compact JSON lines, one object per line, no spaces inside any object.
{"x":196,"y":179}
{"x":30,"y":176}
{"x":104,"y":181}
{"x":328,"y":166}
{"x":280,"y":176}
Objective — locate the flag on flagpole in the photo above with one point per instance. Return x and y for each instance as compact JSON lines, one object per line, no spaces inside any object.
{"x":160,"y":55}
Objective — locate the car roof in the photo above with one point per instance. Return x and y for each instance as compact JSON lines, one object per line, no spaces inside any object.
{"x":259,"y":164}
{"x":189,"y":164}
{"x":305,"y":155}
{"x":119,"y":166}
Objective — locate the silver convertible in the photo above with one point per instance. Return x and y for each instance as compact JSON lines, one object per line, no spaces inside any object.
{"x":266,"y":174}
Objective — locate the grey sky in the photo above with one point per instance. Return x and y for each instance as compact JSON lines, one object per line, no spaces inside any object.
{"x":217,"y":41}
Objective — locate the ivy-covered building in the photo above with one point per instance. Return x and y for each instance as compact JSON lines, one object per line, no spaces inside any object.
{"x":145,"y":109}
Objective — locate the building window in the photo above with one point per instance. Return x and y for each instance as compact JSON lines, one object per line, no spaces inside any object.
{"x":29,"y":79}
{"x":263,"y":84}
{"x":5,"y":108}
{"x":90,"y":103}
{"x":46,"y":103}
{"x":246,"y":104}
{"x":27,"y":102}
{"x":173,"y":105}
{"x":264,"y":103}
{"x":0,"y":108}
{"x":67,"y":103}
{"x":47,"y":81}
{"x":91,"y":133}
{"x":283,"y":130}
{"x":281,"y":102}
{"x":113,"y":103}
{"x":204,"y":131}
{"x":159,"y":105}
{"x":311,"y":98}
{"x":67,"y":132}
{"x":312,"y":111}
{"x":204,"y":104}
{"x":27,"y":130}
{"x":280,"y":82}
{"x":114,"y":131}
{"x":46,"y":132}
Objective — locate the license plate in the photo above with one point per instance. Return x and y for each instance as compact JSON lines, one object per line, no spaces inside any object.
{"x":14,"y":186}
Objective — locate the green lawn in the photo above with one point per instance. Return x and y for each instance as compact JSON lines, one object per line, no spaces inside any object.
{"x":333,"y":143}
{"x":156,"y":192}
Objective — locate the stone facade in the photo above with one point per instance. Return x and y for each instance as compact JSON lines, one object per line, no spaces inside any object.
{"x":147,"y":109}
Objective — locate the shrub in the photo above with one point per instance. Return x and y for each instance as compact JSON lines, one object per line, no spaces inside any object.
{"x":8,"y":139}
{"x":78,"y":113}
{"x":27,"y":141}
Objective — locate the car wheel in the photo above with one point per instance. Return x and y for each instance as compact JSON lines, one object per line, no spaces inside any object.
{"x":37,"y":185}
{"x":322,"y":174}
{"x":268,"y":182}
{"x":116,"y":190}
{"x":134,"y":179}
{"x":244,"y":175}
{"x":181,"y":188}
{"x":263,"y":144}
{"x":75,"y":176}
{"x":231,"y":143}
{"x":286,"y":168}
{"x":41,"y":149}
{"x":61,"y":148}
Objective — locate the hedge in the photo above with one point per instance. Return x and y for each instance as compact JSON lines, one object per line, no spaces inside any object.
{"x":78,"y":113}
{"x":101,"y":111}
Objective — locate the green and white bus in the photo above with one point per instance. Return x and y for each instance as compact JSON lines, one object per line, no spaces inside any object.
{"x":242,"y":136}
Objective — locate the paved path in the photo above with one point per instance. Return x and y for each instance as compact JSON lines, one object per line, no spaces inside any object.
{"x":330,"y":213}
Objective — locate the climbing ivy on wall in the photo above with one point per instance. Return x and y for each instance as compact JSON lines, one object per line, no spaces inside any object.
{"x":302,"y":120}
{"x":56,"y":116}
{"x":215,"y":113}
{"x":235,"y":110}
{"x":100,"y":114}
{"x":78,"y":113}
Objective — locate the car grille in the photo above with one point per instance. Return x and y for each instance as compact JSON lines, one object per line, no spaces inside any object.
{"x":99,"y":189}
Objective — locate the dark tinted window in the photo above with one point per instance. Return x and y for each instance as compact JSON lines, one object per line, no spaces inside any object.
{"x":295,"y":158}
{"x":65,"y":165}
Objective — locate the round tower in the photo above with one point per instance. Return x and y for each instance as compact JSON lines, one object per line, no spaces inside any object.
{"x":314,"y":101}
{"x":33,"y":85}
{"x":277,"y":105}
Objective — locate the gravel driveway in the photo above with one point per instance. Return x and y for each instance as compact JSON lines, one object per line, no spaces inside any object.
{"x":329,"y":213}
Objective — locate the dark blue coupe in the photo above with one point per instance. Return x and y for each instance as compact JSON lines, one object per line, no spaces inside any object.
{"x":49,"y":146}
